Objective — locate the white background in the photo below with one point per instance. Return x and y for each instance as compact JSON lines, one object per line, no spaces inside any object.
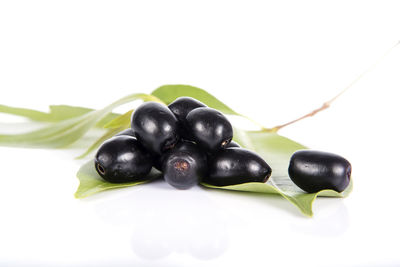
{"x":271,"y":60}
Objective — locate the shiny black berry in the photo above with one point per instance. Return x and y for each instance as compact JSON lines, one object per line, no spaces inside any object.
{"x":181,"y":107}
{"x":155,"y":126}
{"x":122,"y":159}
{"x":128,"y":132}
{"x":209,"y":128}
{"x":184,"y":166}
{"x":314,"y":171}
{"x":236,"y":166}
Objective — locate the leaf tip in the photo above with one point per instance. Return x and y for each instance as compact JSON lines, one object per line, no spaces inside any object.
{"x":78,"y":194}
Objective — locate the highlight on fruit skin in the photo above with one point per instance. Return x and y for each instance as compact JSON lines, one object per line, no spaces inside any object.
{"x":209,"y":128}
{"x":314,"y":170}
{"x":236,"y":166}
{"x":155,"y":127}
{"x":122,"y":159}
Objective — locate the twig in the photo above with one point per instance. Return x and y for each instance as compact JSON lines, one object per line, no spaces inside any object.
{"x":327,"y":104}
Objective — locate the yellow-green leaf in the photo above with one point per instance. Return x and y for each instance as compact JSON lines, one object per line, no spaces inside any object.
{"x":57,"y":113}
{"x":66,"y":132}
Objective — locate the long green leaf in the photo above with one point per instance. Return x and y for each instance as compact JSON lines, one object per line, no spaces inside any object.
{"x":90,"y":181}
{"x":57,"y":113}
{"x":66,"y":132}
{"x":121,"y":120}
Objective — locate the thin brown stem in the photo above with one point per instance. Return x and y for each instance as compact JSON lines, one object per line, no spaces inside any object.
{"x":328,"y":103}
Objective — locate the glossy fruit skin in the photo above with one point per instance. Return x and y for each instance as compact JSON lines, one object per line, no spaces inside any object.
{"x":181,"y":107}
{"x":313,"y":171}
{"x":233,"y":144}
{"x":184,"y":166}
{"x":128,"y":132}
{"x":236,"y":166}
{"x":155,"y":126}
{"x":122,"y":159}
{"x":210,"y":129}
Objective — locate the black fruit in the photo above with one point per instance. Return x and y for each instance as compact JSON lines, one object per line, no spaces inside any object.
{"x":128,"y":132}
{"x":314,"y":171}
{"x":155,"y":126}
{"x":232,"y":144}
{"x":122,"y":159}
{"x":184,"y":166}
{"x":181,"y":107}
{"x":236,"y":166}
{"x":209,"y":128}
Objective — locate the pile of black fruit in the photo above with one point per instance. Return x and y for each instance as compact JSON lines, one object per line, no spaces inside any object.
{"x":191,"y":143}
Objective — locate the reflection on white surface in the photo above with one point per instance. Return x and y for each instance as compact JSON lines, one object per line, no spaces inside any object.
{"x":330,"y":221}
{"x":196,"y":228}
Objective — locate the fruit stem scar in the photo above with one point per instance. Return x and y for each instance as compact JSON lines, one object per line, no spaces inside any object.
{"x":181,"y":165}
{"x":225,"y":143}
{"x":100,"y":168}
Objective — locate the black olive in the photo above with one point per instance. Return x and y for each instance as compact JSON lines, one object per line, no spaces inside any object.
{"x":181,"y":107}
{"x":233,"y":144}
{"x":122,"y":159}
{"x":314,"y":171}
{"x":184,"y":166}
{"x":210,"y":128}
{"x":128,"y":132}
{"x":155,"y":126}
{"x":236,"y":166}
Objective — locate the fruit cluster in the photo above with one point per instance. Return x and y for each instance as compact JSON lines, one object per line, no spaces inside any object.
{"x":190,"y":142}
{"x":187,"y":141}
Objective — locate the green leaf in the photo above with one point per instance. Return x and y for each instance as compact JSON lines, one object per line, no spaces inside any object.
{"x":57,"y":113}
{"x":64,"y":112}
{"x":90,"y":181}
{"x":115,"y":126}
{"x":277,"y":150}
{"x":168,"y":93}
{"x":110,"y":133}
{"x":121,"y":120}
{"x":25,"y":112}
{"x":66,"y":132}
